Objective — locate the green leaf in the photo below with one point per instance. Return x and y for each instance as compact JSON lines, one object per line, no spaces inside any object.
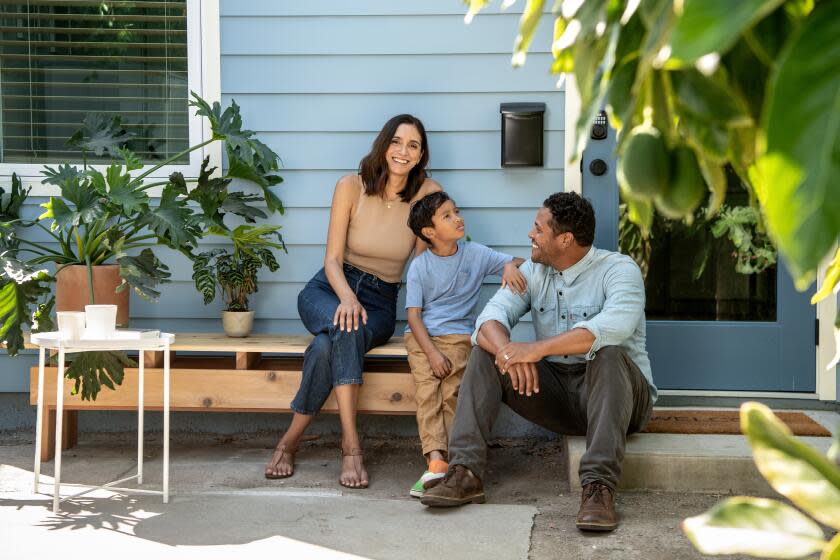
{"x":204,"y":274}
{"x":239,"y":169}
{"x":132,"y":162}
{"x":237,"y":203}
{"x":11,"y":204}
{"x":709,"y":99}
{"x":86,"y":204}
{"x":91,"y":370}
{"x":170,"y":220}
{"x":100,"y":135}
{"x":713,"y":26}
{"x":793,"y":469}
{"x":802,"y":161}
{"x":754,"y":526}
{"x":832,"y":550}
{"x":125,"y":193}
{"x":41,"y":317}
{"x":21,"y":288}
{"x":639,"y":211}
{"x":143,"y":272}
{"x":832,"y":277}
{"x":527,"y":26}
{"x":715,"y":178}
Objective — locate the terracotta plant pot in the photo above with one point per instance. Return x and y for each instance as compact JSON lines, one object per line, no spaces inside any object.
{"x":237,"y":324}
{"x":71,"y":289}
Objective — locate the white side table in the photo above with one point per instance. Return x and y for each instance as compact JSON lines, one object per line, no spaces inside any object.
{"x":122,"y":340}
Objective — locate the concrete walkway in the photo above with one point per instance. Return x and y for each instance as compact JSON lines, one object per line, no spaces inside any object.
{"x":222,"y":506}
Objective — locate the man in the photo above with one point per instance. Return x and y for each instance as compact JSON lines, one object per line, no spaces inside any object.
{"x":587,"y":373}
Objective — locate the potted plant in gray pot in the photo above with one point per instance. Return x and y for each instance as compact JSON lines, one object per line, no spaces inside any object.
{"x":106,"y":217}
{"x":234,"y":271}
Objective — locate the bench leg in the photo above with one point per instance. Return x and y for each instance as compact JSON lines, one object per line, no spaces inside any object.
{"x":47,"y":434}
{"x":69,"y":433}
{"x":247,"y":360}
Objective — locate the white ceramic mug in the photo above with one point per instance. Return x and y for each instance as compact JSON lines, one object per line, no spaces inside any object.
{"x":71,"y":324}
{"x":101,"y":321}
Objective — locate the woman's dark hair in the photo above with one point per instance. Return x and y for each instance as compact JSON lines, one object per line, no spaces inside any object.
{"x":572,"y":213}
{"x":374,"y":169}
{"x":421,"y":212}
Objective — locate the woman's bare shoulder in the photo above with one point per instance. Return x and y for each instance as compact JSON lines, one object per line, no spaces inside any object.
{"x":349,"y":186}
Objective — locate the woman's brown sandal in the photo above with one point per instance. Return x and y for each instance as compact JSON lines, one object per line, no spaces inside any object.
{"x":283,"y":451}
{"x":357,"y":466}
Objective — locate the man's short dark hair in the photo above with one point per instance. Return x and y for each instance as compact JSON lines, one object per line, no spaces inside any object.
{"x":572,"y":213}
{"x":421,"y":213}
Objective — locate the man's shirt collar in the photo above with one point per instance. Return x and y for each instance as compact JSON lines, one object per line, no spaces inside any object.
{"x":570,"y":274}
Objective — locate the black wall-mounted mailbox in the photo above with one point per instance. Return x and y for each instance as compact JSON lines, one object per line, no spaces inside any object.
{"x":522,"y":134}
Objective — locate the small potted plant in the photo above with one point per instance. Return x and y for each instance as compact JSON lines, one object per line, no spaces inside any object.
{"x":234,"y":272}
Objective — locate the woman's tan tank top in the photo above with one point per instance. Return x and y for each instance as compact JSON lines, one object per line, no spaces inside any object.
{"x":379,"y":240}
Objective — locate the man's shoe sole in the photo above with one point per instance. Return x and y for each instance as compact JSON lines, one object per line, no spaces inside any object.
{"x":600,"y":527}
{"x":439,"y":501}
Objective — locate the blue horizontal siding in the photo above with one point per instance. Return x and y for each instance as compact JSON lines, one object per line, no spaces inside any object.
{"x":509,"y":188}
{"x":449,"y":73}
{"x":331,"y":8}
{"x":432,"y":34}
{"x":364,"y":112}
{"x":449,"y":150}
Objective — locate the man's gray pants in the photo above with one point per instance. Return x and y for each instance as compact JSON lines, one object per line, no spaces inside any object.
{"x":604,"y":399}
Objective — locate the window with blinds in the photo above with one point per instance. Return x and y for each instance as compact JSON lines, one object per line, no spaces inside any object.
{"x":63,"y":59}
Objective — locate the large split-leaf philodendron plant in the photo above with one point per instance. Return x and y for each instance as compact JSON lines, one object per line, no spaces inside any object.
{"x":106,"y":214}
{"x":696,"y":86}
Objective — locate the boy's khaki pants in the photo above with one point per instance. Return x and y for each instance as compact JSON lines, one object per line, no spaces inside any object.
{"x":436,"y":398}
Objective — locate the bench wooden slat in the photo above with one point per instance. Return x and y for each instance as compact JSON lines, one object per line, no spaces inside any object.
{"x":262,"y":343}
{"x":229,"y":390}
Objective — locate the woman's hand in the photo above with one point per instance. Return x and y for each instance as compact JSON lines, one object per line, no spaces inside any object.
{"x":347,"y":315}
{"x":441,"y":366}
{"x":512,"y":278}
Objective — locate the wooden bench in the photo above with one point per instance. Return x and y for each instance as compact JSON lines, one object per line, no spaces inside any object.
{"x":228,"y":375}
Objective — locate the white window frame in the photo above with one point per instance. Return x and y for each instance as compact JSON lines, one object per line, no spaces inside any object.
{"x":203,"y":77}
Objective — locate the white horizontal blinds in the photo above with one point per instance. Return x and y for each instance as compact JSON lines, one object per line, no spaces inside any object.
{"x":62,"y":59}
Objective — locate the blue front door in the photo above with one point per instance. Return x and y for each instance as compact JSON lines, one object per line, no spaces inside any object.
{"x":709,"y":327}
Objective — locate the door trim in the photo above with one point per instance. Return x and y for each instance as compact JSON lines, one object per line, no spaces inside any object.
{"x":826,"y":312}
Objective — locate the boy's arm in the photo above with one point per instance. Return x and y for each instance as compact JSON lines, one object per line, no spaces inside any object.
{"x":512,"y":278}
{"x":441,"y":366}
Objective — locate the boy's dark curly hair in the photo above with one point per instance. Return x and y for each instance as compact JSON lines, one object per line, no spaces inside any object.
{"x":572,"y":213}
{"x":421,"y":212}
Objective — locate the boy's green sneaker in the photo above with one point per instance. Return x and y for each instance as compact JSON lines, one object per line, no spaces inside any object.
{"x":417,"y":490}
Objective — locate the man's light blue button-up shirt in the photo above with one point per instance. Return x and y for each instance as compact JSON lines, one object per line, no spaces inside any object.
{"x":603,"y":293}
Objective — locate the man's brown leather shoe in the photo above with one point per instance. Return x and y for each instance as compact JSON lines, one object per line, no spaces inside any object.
{"x":460,"y":486}
{"x":597,"y":508}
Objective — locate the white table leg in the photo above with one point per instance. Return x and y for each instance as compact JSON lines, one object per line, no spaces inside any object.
{"x":39,"y":419}
{"x":59,"y":413}
{"x":140,"y":387}
{"x":166,"y":424}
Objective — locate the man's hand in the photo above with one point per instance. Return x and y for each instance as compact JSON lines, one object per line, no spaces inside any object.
{"x":512,"y":278}
{"x":517,"y":353}
{"x":441,"y":366}
{"x":524,"y":378}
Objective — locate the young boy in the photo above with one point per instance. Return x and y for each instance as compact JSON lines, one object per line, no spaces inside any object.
{"x":442,"y":291}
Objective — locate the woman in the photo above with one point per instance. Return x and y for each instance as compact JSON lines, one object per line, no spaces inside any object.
{"x":350,"y":304}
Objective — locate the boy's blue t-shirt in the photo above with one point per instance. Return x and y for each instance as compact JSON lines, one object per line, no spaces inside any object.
{"x":446,"y":288}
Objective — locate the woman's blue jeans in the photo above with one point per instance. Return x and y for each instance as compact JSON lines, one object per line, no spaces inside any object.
{"x":336,"y":357}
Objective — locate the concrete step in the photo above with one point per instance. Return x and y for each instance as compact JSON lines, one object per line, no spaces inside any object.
{"x":692,"y":463}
